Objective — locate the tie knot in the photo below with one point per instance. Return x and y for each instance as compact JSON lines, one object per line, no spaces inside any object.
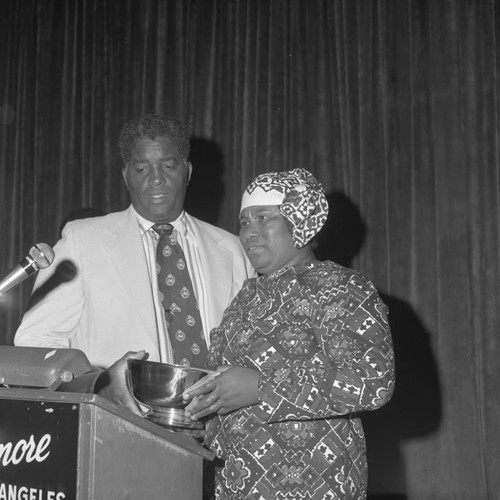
{"x":162,"y":229}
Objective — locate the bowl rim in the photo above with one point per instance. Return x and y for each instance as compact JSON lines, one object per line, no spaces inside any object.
{"x":171,"y":365}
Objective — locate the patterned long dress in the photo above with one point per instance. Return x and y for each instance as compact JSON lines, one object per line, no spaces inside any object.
{"x":318,"y":335}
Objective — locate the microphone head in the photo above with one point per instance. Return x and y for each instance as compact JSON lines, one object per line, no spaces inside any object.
{"x":42,"y":254}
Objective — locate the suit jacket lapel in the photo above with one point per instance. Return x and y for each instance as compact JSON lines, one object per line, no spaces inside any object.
{"x":126,"y":252}
{"x":217,"y":267}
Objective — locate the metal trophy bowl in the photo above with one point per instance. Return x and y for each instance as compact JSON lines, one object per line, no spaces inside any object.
{"x":159,"y":386}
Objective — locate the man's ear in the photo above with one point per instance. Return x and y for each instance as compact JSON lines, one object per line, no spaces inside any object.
{"x":190,"y":170}
{"x":124,"y":175}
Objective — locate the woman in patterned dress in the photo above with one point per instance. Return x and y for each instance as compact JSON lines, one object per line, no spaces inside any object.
{"x":301,"y":350}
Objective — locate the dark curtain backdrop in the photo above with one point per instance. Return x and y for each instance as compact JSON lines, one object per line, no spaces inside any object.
{"x":392,"y":104}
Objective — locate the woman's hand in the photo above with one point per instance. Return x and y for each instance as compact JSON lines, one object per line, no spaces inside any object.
{"x":235,"y":387}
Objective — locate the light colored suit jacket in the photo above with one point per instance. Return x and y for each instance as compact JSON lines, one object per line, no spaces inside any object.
{"x":97,"y":296}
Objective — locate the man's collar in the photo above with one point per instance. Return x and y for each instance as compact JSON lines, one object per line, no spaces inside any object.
{"x":180,"y":224}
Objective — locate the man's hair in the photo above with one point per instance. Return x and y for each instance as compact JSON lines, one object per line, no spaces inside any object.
{"x":153,"y":126}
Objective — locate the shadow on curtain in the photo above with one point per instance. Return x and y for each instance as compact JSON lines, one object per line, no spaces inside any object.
{"x":415,"y":408}
{"x":206,"y":187}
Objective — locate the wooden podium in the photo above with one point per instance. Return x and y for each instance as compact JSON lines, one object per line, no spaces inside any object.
{"x":65,"y":446}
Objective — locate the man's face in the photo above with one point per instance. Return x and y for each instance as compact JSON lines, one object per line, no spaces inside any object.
{"x":156,"y":177}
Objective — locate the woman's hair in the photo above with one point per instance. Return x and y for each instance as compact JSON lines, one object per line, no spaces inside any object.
{"x":153,"y":126}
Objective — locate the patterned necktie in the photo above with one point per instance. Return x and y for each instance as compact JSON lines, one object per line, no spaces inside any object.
{"x":178,"y":300}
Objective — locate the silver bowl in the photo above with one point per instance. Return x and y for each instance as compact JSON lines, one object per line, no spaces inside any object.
{"x":158,"y":388}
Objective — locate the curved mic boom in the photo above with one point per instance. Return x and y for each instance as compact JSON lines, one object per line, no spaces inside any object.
{"x":40,"y":256}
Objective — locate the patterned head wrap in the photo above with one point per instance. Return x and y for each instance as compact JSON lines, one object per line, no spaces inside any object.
{"x":300,"y":197}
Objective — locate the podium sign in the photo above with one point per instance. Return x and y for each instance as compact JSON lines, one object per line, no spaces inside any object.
{"x":68,"y":446}
{"x":38,"y":449}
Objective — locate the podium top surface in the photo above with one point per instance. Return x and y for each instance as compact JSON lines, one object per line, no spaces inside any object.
{"x":183,"y":440}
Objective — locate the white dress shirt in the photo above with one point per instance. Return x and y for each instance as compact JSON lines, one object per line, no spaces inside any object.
{"x":185,"y":238}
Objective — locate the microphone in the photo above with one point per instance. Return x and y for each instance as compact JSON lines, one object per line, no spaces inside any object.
{"x":40,"y":256}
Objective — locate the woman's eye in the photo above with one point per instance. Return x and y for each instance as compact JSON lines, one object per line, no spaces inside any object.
{"x":243,"y":223}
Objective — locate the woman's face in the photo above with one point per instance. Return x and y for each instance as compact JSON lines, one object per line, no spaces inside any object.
{"x":266,"y":239}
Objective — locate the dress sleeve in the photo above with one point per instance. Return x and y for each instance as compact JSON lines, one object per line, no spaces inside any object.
{"x":352,"y":369}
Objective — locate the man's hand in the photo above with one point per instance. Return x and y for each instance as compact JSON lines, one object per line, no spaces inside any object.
{"x":236,"y":387}
{"x":112,"y":383}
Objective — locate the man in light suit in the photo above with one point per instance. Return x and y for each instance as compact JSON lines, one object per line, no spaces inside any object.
{"x":106,"y":302}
